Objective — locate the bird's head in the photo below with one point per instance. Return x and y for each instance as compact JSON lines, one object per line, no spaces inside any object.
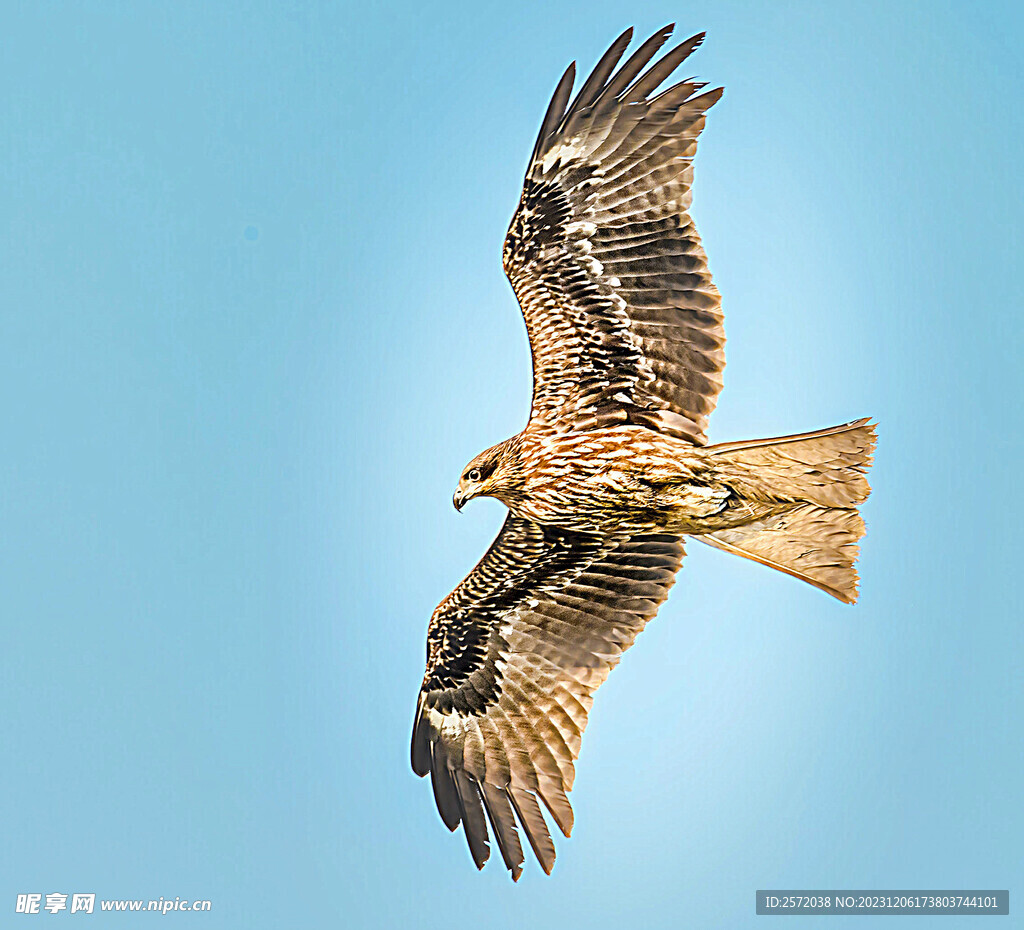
{"x":483,"y":476}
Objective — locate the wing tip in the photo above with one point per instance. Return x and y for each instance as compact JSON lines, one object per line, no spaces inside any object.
{"x":443,"y":784}
{"x":419,"y":750}
{"x":474,"y":821}
{"x":529,"y":814}
{"x":498,"y":805}
{"x":712,"y":96}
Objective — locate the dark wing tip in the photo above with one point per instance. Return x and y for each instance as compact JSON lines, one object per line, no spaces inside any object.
{"x":595,"y":84}
{"x":715,"y":94}
{"x":420,"y":749}
{"x":498,"y":805}
{"x":693,"y":43}
{"x":527,"y":809}
{"x":708,"y":99}
{"x":446,"y":793}
{"x":648,"y":82}
{"x":474,"y":822}
{"x":555,"y":110}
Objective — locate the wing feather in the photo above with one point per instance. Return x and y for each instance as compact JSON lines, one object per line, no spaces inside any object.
{"x":445,"y":793}
{"x":658,"y":72}
{"x":503,"y":823}
{"x":602,"y":248}
{"x":556,"y":109}
{"x":514,"y":656}
{"x":529,"y":813}
{"x":473,"y":821}
{"x":637,"y":61}
{"x":594,"y":84}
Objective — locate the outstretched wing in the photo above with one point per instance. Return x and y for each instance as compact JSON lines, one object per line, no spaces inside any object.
{"x":625,"y":325}
{"x":514,"y":655}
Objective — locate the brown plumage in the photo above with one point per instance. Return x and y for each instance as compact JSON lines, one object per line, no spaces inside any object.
{"x":612,"y":470}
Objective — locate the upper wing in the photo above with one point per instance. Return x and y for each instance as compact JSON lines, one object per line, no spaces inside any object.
{"x":514,"y":655}
{"x":624,"y":322}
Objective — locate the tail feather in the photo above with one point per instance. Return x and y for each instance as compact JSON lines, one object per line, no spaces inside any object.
{"x":826,"y":467}
{"x":805,"y":489}
{"x":816,"y":544}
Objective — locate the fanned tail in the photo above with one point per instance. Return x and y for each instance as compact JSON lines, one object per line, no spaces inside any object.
{"x":805,"y":489}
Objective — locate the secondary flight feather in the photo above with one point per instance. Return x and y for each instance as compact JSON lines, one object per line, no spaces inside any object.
{"x":612,"y":471}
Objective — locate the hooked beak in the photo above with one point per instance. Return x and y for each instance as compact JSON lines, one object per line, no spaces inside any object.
{"x":458,"y":500}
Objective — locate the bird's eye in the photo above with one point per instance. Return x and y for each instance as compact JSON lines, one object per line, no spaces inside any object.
{"x":473,"y":474}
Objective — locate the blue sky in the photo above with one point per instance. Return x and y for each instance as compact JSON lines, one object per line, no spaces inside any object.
{"x":252,"y":324}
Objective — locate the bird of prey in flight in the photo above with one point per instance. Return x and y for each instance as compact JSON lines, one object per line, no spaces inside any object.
{"x":613,"y":470}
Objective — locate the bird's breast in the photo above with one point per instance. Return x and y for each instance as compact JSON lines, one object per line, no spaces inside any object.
{"x":621,"y":480}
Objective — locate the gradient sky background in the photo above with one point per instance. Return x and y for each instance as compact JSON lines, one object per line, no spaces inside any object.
{"x":253,"y":323}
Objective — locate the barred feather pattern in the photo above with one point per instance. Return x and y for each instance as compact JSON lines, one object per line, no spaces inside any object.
{"x":613,"y":469}
{"x":514,"y":657}
{"x":625,"y":324}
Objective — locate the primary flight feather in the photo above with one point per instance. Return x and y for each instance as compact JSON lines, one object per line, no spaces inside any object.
{"x":612,"y":470}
